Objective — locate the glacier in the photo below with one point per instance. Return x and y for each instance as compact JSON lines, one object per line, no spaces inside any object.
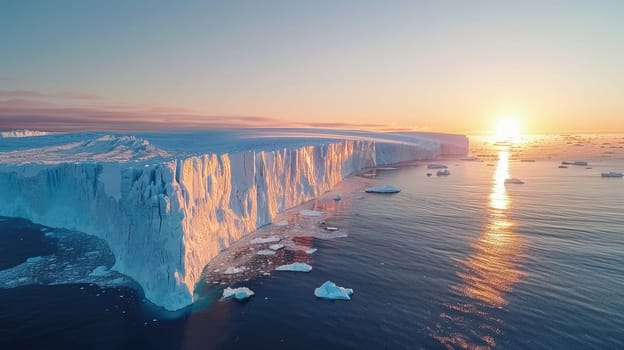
{"x":168,"y":202}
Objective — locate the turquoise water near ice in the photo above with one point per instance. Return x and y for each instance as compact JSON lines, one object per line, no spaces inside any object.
{"x":457,"y":262}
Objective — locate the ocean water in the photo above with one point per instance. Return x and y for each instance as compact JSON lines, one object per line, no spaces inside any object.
{"x":458,"y":262}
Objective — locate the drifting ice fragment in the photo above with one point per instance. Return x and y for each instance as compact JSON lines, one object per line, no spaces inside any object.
{"x":311,"y":251}
{"x":269,"y":239}
{"x":331,"y":228}
{"x":581,"y":163}
{"x":295,"y":267}
{"x":232,"y":270}
{"x":35,"y":259}
{"x":238,"y":293}
{"x":276,"y":246}
{"x":514,"y":181}
{"x":612,"y":174}
{"x":436,"y":166}
{"x":265,"y":252}
{"x":282,"y":223}
{"x":444,"y":172}
{"x":383,"y":189}
{"x":329,"y":290}
{"x":308,"y":212}
{"x":337,"y":197}
{"x":563,"y":167}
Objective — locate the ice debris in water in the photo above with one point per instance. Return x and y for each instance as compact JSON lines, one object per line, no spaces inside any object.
{"x":444,"y":172}
{"x":311,"y":251}
{"x":35,"y":259}
{"x":329,"y":290}
{"x":281,"y":223}
{"x":383,"y":189}
{"x":295,"y":267}
{"x":331,"y":228}
{"x":514,"y":181}
{"x":99,"y":271}
{"x":265,"y":252}
{"x":276,"y":246}
{"x":269,"y":239}
{"x":308,"y":212}
{"x":232,"y":270}
{"x":337,"y":197}
{"x":612,"y":174}
{"x":436,"y":166}
{"x":238,"y":293}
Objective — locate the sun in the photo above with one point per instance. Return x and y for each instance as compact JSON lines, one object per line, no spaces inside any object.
{"x":507,"y":128}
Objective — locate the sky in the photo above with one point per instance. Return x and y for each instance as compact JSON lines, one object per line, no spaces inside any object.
{"x":451,"y":66}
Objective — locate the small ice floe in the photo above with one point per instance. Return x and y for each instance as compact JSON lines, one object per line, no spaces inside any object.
{"x":563,"y":167}
{"x":281,"y":223}
{"x":239,"y":293}
{"x":514,"y":181}
{"x":528,"y":160}
{"x":383,"y":189}
{"x":436,"y":166}
{"x":329,"y":290}
{"x":276,"y":246}
{"x":49,"y":234}
{"x":234,"y":270}
{"x":429,"y":174}
{"x":269,"y":239}
{"x":265,"y":252}
{"x":43,"y":229}
{"x":295,"y":267}
{"x":337,"y":197}
{"x":311,"y":251}
{"x":99,"y":271}
{"x":612,"y":174}
{"x":444,"y":172}
{"x":470,"y":159}
{"x":331,"y":228}
{"x":308,"y":212}
{"x":580,"y":163}
{"x":34,"y":259}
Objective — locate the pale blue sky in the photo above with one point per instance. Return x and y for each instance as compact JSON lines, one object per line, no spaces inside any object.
{"x":441,"y":65}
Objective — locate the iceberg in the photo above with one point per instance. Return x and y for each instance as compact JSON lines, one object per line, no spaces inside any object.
{"x":166,"y":206}
{"x":239,"y":293}
{"x":311,"y":251}
{"x":436,"y":166}
{"x":295,"y":267}
{"x":329,"y":290}
{"x":331,"y":228}
{"x":269,"y":239}
{"x":383,"y":189}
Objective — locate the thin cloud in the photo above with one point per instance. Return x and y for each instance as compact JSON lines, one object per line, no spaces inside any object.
{"x":21,"y":93}
{"x":66,"y":95}
{"x":76,"y":96}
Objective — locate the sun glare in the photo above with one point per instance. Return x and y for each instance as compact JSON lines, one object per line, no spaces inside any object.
{"x":507,"y":128}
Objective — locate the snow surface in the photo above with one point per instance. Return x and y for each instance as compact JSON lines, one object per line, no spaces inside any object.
{"x":329,"y":290}
{"x":295,"y":267}
{"x":168,"y":202}
{"x":22,"y":133}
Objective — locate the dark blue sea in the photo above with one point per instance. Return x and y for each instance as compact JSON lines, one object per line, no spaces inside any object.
{"x":457,"y":262}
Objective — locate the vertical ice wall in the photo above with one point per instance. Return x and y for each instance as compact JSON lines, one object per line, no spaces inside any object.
{"x":165,"y":222}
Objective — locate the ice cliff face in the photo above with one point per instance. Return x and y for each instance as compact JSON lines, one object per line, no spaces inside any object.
{"x":165,"y":220}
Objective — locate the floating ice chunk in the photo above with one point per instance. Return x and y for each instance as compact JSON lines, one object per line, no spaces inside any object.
{"x":311,"y":251}
{"x":100,"y":271}
{"x":429,"y":174}
{"x":233,"y":270}
{"x":295,"y":267}
{"x":44,"y":229}
{"x":563,"y":167}
{"x":580,"y":163}
{"x":307,"y":212}
{"x":265,"y":252}
{"x":329,"y":290}
{"x":331,"y":228}
{"x":612,"y":174}
{"x":444,"y":172}
{"x":514,"y":181}
{"x":276,"y":246}
{"x":34,"y":259}
{"x":269,"y":239}
{"x":436,"y":166}
{"x":281,"y":223}
{"x":337,"y":197}
{"x":238,"y":293}
{"x":383,"y":189}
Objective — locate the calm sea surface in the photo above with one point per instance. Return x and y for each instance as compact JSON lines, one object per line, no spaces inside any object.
{"x":457,"y":262}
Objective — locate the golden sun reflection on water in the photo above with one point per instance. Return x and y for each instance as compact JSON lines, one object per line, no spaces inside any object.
{"x":488,"y":274}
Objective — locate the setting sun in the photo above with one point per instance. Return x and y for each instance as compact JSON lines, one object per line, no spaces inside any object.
{"x":507,"y":127}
